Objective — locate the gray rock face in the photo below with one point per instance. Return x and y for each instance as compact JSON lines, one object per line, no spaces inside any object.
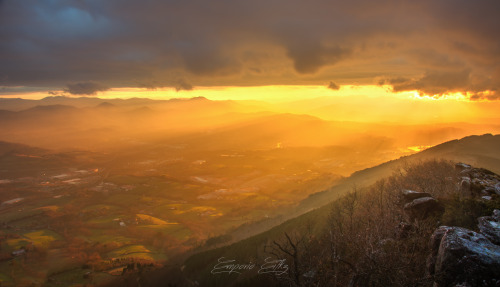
{"x":422,"y":208}
{"x":489,"y":190}
{"x":496,"y":214}
{"x":478,"y":185}
{"x":465,"y":183}
{"x":434,"y":243}
{"x":410,"y":195}
{"x":437,"y":236}
{"x":480,"y":181}
{"x":490,"y":227}
{"x":462,"y":166}
{"x":463,"y":257}
{"x":483,"y":174}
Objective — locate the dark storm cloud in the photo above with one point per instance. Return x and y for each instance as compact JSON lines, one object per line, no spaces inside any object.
{"x":434,"y":83}
{"x":205,"y":62}
{"x":183,"y":85}
{"x":439,"y":46}
{"x":310,"y":58}
{"x":86,"y":88}
{"x":492,"y":96}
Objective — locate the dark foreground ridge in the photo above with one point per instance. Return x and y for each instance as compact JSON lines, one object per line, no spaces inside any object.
{"x":463,"y":257}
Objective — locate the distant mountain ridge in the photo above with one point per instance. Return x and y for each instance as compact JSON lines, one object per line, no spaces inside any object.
{"x":479,"y":150}
{"x":7,"y":147}
{"x":18,"y":104}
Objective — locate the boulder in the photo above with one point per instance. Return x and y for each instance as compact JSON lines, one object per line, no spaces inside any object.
{"x":496,"y":214}
{"x":434,"y":244}
{"x":462,"y":166}
{"x":487,"y":191}
{"x":490,"y":189}
{"x":422,"y":208}
{"x":436,"y":238}
{"x":465,"y":172}
{"x":410,"y":195}
{"x":465,"y":183}
{"x":483,"y":174}
{"x":489,"y":226}
{"x":483,"y":181}
{"x":463,"y":257}
{"x":478,"y":185}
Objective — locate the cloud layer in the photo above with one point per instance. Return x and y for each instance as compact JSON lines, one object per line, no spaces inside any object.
{"x":86,"y":88}
{"x":435,"y":47}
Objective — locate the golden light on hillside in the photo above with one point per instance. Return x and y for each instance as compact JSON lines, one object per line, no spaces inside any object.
{"x":419,"y":148}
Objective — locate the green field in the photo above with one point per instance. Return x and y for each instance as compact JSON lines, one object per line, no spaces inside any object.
{"x":107,"y":222}
{"x":17,"y":243}
{"x":99,"y":237}
{"x":42,"y":237}
{"x":128,"y":250}
{"x":153,"y":220}
{"x":136,"y":252}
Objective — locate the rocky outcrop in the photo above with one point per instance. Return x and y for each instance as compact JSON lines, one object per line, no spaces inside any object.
{"x":462,"y":257}
{"x":465,"y":183}
{"x":422,"y":208}
{"x":465,"y":256}
{"x":489,"y":226}
{"x":462,"y":166}
{"x":410,"y":195}
{"x":478,"y":181}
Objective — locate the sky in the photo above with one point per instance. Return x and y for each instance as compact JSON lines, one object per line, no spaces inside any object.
{"x":114,"y":47}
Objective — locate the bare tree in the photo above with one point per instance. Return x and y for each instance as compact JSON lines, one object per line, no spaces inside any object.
{"x":290,"y":246}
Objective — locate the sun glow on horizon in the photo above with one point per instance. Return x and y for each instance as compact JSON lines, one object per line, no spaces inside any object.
{"x":363,"y":103}
{"x":269,"y":93}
